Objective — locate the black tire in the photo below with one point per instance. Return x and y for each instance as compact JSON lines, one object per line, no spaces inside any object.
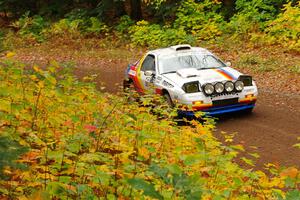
{"x":129,"y":91}
{"x":127,"y":85}
{"x":168,"y":99}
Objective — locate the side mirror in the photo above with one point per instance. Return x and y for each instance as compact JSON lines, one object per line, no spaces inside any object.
{"x":228,"y":64}
{"x":149,"y":73}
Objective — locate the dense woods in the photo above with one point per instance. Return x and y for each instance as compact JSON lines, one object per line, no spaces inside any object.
{"x":137,"y":9}
{"x":155,"y":23}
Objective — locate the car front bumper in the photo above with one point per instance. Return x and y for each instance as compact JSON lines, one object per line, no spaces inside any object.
{"x":219,"y":110}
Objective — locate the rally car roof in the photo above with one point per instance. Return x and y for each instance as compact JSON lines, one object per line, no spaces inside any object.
{"x":178,"y":49}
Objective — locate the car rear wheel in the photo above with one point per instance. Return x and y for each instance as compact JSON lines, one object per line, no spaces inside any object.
{"x":129,"y":91}
{"x":127,"y":85}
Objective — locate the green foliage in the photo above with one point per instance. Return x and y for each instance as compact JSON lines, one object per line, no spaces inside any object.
{"x":65,"y":26}
{"x":84,"y":144}
{"x":251,"y":16}
{"x":75,"y":28}
{"x":124,"y":24}
{"x":285,"y":28}
{"x":95,"y":26}
{"x":31,"y":27}
{"x":153,"y":35}
{"x":10,"y":151}
{"x":199,"y":19}
{"x":293,"y":195}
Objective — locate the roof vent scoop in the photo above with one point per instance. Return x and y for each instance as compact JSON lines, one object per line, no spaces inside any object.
{"x":181,"y":47}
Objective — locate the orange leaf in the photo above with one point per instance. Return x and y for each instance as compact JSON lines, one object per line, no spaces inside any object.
{"x":144,"y":152}
{"x":291,"y":172}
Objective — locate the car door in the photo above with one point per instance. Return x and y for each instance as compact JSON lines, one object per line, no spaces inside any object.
{"x":148,"y":71}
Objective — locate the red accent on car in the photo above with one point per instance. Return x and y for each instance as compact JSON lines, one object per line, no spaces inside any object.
{"x":158,"y":91}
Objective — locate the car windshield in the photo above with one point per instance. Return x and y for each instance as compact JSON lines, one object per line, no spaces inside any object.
{"x":199,"y":61}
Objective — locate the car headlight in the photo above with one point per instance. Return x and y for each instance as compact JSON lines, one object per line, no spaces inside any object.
{"x":191,"y":87}
{"x":208,"y":89}
{"x":239,"y":85}
{"x":219,"y":87}
{"x":229,"y":86}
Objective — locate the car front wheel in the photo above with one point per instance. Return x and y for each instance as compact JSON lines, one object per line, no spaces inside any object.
{"x":168,"y":99}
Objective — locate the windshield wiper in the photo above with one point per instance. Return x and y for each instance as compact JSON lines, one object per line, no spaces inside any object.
{"x":169,"y":72}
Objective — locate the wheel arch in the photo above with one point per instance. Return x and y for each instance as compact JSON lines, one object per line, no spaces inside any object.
{"x":164,"y":91}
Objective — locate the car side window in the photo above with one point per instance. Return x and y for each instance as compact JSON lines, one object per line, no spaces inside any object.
{"x":149,"y":63}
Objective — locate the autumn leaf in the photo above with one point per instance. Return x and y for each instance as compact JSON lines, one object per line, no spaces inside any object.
{"x":90,"y":128}
{"x":291,"y":172}
{"x":10,"y":54}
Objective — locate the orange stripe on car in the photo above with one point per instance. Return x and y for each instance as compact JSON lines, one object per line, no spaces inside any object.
{"x":224,"y":74}
{"x":248,"y":98}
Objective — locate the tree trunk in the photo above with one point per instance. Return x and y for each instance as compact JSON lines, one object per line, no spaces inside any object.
{"x":136,"y":9}
{"x":120,"y":8}
{"x":228,"y":9}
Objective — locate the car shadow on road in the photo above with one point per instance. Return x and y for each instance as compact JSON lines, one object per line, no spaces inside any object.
{"x":235,"y":116}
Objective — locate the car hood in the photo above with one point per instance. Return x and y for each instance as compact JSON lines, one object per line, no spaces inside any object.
{"x":203,"y":76}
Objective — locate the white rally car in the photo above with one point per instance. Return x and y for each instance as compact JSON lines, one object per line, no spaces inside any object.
{"x":194,"y":77}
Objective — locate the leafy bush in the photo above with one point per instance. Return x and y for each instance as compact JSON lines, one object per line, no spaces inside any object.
{"x":10,"y":151}
{"x":124,"y":24}
{"x":199,"y":19}
{"x":75,"y":28}
{"x":95,"y":26}
{"x":11,"y":41}
{"x":153,"y":35}
{"x":251,"y":16}
{"x":31,"y":27}
{"x":84,"y":144}
{"x":65,"y":26}
{"x":285,"y":29}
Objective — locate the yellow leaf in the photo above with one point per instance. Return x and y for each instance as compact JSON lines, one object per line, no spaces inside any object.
{"x":10,"y":54}
{"x":33,"y":77}
{"x":41,"y":84}
{"x":36,"y":68}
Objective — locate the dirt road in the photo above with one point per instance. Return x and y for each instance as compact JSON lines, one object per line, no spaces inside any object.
{"x":273,"y":128}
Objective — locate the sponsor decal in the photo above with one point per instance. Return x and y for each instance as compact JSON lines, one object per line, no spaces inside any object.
{"x":132,"y":72}
{"x":167,"y":84}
